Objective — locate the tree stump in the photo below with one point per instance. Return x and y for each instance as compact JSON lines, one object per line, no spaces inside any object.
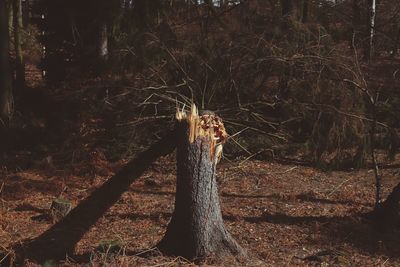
{"x":59,"y":209}
{"x":196,"y":229}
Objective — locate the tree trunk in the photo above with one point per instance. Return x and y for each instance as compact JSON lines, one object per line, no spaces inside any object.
{"x":141,"y":21}
{"x":291,"y":12}
{"x":292,"y":8}
{"x":287,"y":7}
{"x":18,"y":26}
{"x":396,"y":44}
{"x":305,"y":11}
{"x":356,"y":21}
{"x":6,"y":98}
{"x":10,"y":16}
{"x":372,"y":29}
{"x":196,"y":229}
{"x":387,"y":214}
{"x":103,"y":43}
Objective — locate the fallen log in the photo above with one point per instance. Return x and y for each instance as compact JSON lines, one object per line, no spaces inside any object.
{"x":60,"y":240}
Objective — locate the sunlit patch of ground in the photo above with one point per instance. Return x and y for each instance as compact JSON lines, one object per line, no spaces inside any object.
{"x":282,"y":214}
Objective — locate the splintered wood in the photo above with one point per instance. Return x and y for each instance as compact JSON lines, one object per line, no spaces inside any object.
{"x":207,"y":125}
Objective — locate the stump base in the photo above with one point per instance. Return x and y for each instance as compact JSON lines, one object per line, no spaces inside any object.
{"x":196,"y":229}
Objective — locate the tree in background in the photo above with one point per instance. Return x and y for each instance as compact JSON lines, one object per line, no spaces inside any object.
{"x":19,"y":58}
{"x":6,"y":97}
{"x":296,"y":9}
{"x":308,"y":61}
{"x":10,"y":16}
{"x":103,"y":42}
{"x":372,"y":28}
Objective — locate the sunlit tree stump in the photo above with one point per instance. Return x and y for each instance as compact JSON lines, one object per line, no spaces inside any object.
{"x":196,"y":229}
{"x":59,"y":209}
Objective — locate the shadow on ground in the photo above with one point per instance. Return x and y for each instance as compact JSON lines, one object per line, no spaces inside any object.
{"x":308,"y":196}
{"x":60,"y":240}
{"x":357,"y":230}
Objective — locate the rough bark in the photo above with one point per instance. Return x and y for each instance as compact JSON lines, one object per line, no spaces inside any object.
{"x":18,"y":26}
{"x":6,"y":98}
{"x":196,"y":229}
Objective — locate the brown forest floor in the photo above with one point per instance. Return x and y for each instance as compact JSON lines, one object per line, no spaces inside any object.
{"x":284,"y":215}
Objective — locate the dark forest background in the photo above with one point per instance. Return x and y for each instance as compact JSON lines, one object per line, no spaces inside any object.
{"x":306,"y":79}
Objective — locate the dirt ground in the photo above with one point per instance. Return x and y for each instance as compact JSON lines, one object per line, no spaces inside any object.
{"x":283,"y":215}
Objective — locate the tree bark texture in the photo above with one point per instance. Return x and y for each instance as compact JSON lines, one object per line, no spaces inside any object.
{"x":6,"y":98}
{"x":196,"y":229}
{"x":18,"y":26}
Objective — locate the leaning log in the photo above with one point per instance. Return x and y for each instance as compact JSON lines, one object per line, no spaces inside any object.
{"x":60,"y":240}
{"x":196,"y":229}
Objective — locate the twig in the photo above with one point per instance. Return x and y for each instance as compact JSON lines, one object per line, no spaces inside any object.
{"x":242,"y":147}
{"x":230,"y":136}
{"x":143,"y":119}
{"x":356,"y":116}
{"x":148,"y":88}
{"x":249,"y":157}
{"x":289,"y":170}
{"x":145,"y":251}
{"x":339,"y":186}
{"x":256,"y":130}
{"x":5,"y":257}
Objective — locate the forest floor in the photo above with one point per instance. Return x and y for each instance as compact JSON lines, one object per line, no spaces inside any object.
{"x":283,"y":215}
